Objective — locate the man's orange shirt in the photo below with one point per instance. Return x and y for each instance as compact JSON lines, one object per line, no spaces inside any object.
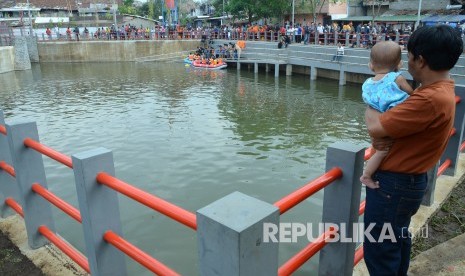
{"x":420,"y":127}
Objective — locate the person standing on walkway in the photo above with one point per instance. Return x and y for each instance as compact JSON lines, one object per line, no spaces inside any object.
{"x":416,"y":133}
{"x":76,"y":32}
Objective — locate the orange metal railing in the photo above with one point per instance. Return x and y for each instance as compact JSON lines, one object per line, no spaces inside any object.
{"x":15,"y":206}
{"x":305,"y":254}
{"x":168,"y":209}
{"x":446,"y":164}
{"x":138,"y":255}
{"x":75,"y":255}
{"x":55,"y":155}
{"x":306,"y":191}
{"x":58,"y":202}
{"x":171,"y":210}
{"x":7,"y":168}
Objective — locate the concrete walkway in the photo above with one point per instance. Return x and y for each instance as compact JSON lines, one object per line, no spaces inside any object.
{"x":447,"y":258}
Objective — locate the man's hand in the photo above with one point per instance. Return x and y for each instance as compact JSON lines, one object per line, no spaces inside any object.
{"x":384,"y":144}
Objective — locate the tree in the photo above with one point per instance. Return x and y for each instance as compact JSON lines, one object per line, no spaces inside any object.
{"x":374,"y":14}
{"x":255,"y":10}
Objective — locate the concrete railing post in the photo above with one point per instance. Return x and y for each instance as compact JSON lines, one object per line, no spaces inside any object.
{"x":340,"y":207}
{"x":453,"y":147}
{"x":452,"y":151}
{"x":99,"y":211}
{"x":428,"y":198}
{"x":8,"y":186}
{"x":29,"y":169}
{"x":230,"y":237}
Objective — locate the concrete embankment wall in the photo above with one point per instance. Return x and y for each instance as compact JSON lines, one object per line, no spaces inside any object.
{"x":109,"y":51}
{"x":7,"y":59}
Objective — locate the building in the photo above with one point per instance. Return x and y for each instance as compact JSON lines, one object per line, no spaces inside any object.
{"x":15,"y":12}
{"x":404,"y":11}
{"x":317,"y":11}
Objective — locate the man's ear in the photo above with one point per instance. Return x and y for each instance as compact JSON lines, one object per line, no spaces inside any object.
{"x":370,"y":65}
{"x":421,"y":61}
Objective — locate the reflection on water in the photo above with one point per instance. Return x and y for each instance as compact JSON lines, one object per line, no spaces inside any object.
{"x":189,"y":136}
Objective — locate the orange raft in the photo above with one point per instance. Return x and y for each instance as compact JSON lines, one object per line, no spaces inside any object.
{"x":199,"y":64}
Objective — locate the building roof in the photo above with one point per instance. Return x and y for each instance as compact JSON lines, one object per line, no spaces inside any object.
{"x":392,"y":18}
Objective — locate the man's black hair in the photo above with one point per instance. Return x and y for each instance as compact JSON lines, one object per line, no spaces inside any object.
{"x":439,"y":45}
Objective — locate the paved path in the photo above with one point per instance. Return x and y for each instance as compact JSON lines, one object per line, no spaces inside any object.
{"x":447,"y":258}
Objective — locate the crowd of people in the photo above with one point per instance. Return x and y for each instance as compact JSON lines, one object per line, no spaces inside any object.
{"x":359,"y":34}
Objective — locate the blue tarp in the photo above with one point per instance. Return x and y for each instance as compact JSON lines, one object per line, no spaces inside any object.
{"x":459,"y":18}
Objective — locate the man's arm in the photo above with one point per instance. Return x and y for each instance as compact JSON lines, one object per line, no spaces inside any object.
{"x":375,"y":129}
{"x":379,"y":137}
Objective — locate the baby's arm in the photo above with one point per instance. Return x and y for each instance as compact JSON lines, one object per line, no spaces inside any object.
{"x":403,"y":84}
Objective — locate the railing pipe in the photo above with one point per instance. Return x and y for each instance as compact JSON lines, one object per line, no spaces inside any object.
{"x":58,"y":202}
{"x":446,"y":164}
{"x":7,"y":168}
{"x":361,"y":209}
{"x":305,"y":254}
{"x":307,"y":190}
{"x":2,"y":129}
{"x":75,"y":255}
{"x":15,"y":206}
{"x":175,"y":212}
{"x":138,"y":255}
{"x":55,"y":155}
{"x":462,"y":146}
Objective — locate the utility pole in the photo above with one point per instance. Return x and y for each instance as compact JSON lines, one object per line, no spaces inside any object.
{"x":293,"y":12}
{"x":114,"y":15}
{"x":418,"y":17}
{"x":30,"y":18}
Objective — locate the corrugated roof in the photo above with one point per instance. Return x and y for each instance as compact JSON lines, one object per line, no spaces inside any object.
{"x":393,"y":18}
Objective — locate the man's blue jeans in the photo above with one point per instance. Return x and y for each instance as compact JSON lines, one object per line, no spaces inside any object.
{"x":388,"y":211}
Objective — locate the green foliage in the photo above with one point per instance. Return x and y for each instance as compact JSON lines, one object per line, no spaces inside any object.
{"x":151,"y":13}
{"x":257,"y":9}
{"x":127,"y":9}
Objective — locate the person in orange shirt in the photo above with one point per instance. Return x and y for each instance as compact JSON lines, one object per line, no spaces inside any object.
{"x":416,"y":133}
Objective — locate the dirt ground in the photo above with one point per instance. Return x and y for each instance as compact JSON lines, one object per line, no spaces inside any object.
{"x":447,"y":223}
{"x":12,"y":262}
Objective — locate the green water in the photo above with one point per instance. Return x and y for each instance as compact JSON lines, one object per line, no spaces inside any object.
{"x":188,"y":136}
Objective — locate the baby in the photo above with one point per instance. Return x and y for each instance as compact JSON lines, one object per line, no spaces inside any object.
{"x":382,"y":92}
